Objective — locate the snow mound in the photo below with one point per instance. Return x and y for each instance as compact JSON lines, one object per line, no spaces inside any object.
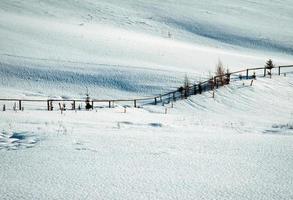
{"x":17,"y":140}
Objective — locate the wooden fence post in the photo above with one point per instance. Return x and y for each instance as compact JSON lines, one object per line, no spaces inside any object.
{"x":247,"y":73}
{"x":265,"y":72}
{"x":134,"y":103}
{"x":174,"y":97}
{"x":155,"y":100}
{"x":73,"y":105}
{"x":279,"y":71}
{"x":19,"y":104}
{"x":199,"y":88}
{"x":109,"y":104}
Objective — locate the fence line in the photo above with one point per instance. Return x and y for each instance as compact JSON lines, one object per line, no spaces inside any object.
{"x":180,"y":93}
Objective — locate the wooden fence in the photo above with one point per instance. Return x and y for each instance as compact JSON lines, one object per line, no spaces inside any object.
{"x":180,"y":93}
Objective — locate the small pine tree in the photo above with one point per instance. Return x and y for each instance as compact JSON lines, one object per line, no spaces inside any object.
{"x":186,"y":86}
{"x":186,"y":81}
{"x":269,"y":65}
{"x":87,"y":101}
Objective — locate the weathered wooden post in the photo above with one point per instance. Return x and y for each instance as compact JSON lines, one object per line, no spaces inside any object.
{"x":194,"y":89}
{"x":265,"y":72}
{"x":199,"y":88}
{"x":51,"y":105}
{"x":211,"y":82}
{"x":61,"y":108}
{"x":109,"y":104}
{"x":215,"y":82}
{"x":19,"y":104}
{"x":279,"y":70}
{"x":134,"y":103}
{"x":73,"y":105}
{"x":4,"y":107}
{"x":155,"y":100}
{"x":92,"y":104}
{"x":247,"y":73}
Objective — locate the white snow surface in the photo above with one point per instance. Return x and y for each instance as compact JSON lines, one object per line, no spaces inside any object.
{"x":237,"y":145}
{"x":123,"y":48}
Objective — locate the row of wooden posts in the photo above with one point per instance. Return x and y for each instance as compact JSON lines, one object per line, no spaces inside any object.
{"x":180,"y":93}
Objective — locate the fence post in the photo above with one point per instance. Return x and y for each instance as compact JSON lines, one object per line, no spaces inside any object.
{"x":265,"y":72}
{"x":134,"y":103}
{"x":247,"y":73}
{"x":19,"y":104}
{"x":92,"y":104}
{"x":199,"y":88}
{"x":174,"y":97}
{"x":155,"y":100}
{"x":73,"y":105}
{"x":215,"y":83}
{"x":109,"y":104}
{"x":279,"y":70}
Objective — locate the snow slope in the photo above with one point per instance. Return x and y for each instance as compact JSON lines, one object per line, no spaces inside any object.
{"x":236,"y":146}
{"x":84,"y":39}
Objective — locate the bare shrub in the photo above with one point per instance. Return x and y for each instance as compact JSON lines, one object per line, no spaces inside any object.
{"x":220,"y":72}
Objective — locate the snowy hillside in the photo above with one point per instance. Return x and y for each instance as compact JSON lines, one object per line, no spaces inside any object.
{"x":236,"y":146}
{"x":117,"y":48}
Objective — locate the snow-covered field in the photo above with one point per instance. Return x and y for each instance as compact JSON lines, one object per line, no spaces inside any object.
{"x":237,"y":145}
{"x":138,"y":48}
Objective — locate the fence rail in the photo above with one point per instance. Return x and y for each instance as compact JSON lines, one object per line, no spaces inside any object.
{"x":180,"y":93}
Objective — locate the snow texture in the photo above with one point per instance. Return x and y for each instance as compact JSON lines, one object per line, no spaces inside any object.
{"x":237,"y":145}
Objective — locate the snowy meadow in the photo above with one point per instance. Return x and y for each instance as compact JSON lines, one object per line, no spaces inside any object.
{"x":233,"y":143}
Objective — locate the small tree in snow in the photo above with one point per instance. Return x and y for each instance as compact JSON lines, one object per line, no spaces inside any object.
{"x":220,"y":72}
{"x":269,"y":65}
{"x":88,"y":106}
{"x":186,"y":86}
{"x":186,"y":81}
